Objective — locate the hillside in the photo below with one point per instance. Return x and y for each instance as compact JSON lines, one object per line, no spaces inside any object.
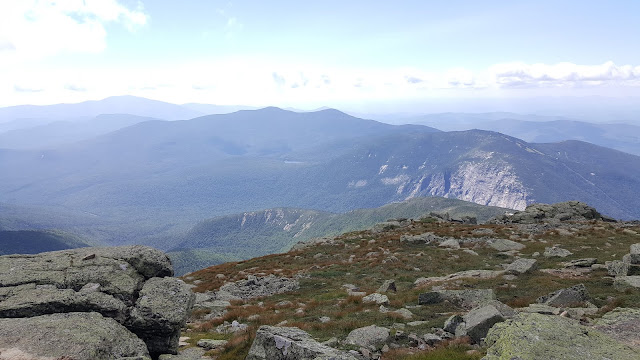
{"x":392,"y":292}
{"x":256,"y":233}
{"x":37,"y":241}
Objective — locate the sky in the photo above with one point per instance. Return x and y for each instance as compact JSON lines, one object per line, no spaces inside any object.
{"x":308,"y":54}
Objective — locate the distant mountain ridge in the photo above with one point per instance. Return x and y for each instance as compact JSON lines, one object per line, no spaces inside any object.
{"x":112,"y":105}
{"x":153,"y":180}
{"x":256,"y":233}
{"x":539,"y":129}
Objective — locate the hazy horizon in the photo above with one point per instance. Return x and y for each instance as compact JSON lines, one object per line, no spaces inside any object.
{"x":367,"y":57}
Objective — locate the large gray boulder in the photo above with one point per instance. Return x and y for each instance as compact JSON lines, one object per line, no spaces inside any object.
{"x":468,"y":298}
{"x":290,"y":343}
{"x":371,"y":337}
{"x":521,"y":266}
{"x":77,"y":336}
{"x":255,"y":286}
{"x":128,"y":284}
{"x":477,"y":322}
{"x":530,"y":336}
{"x":505,"y":245}
{"x":568,"y":297}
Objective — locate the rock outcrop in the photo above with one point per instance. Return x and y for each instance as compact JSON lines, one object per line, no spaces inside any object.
{"x":130,"y":285}
{"x":555,"y":213}
{"x":622,"y":324}
{"x":255,"y":286}
{"x":77,"y":336}
{"x":530,"y":336}
{"x":290,"y":343}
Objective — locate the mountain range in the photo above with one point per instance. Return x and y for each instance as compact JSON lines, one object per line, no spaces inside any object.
{"x":534,"y":128}
{"x":140,"y":180}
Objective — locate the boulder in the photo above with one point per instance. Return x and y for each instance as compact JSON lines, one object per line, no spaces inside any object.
{"x":530,"y":336}
{"x":371,"y":337}
{"x":505,"y":245}
{"x":126,"y":283}
{"x":584,"y":263}
{"x":468,"y":298}
{"x":77,"y":336}
{"x":622,"y":268}
{"x":387,"y":286}
{"x":211,"y":344}
{"x":634,"y":255}
{"x":160,"y":312}
{"x":426,"y":238}
{"x":521,"y":266}
{"x":375,"y":298}
{"x":467,"y":274}
{"x":120,"y":271}
{"x":556,"y":251}
{"x":451,"y":244}
{"x":290,"y":343}
{"x":622,"y":324}
{"x":255,"y":286}
{"x":477,"y":322}
{"x":566,"y":297}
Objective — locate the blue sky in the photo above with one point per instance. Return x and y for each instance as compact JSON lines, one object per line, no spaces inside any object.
{"x":310,"y":54}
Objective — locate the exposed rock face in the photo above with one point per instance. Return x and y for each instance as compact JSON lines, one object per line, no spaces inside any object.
{"x":78,"y":336}
{"x":555,"y":213}
{"x":290,"y":343}
{"x":256,"y":287}
{"x":161,"y":310}
{"x":127,"y":284}
{"x":535,"y":336}
{"x":622,"y":324}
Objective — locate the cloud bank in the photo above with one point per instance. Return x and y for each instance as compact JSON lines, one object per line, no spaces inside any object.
{"x":33,"y":29}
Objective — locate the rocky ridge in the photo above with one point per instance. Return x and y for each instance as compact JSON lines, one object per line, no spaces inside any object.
{"x":459,"y":290}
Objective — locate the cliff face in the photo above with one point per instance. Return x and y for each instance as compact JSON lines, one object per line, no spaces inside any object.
{"x":484,"y":183}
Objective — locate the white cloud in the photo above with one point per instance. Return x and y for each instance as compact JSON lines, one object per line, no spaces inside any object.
{"x":262,"y":82}
{"x":33,"y":29}
{"x":564,"y":75}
